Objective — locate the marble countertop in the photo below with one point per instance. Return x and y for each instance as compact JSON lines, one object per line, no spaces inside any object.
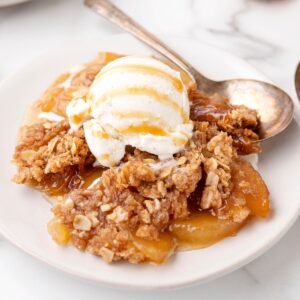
{"x":265,"y":33}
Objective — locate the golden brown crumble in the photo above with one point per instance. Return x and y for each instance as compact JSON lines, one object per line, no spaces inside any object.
{"x":139,"y":199}
{"x":240,"y":122}
{"x":134,"y":199}
{"x":49,"y":148}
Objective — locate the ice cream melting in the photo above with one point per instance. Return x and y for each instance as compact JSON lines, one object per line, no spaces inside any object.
{"x":137,"y":101}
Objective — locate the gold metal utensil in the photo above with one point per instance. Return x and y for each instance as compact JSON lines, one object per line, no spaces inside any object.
{"x":274,"y":106}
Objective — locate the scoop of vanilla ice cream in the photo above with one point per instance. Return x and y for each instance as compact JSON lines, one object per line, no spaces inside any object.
{"x":137,"y":101}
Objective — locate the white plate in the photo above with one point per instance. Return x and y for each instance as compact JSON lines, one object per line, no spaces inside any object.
{"x":24,"y":213}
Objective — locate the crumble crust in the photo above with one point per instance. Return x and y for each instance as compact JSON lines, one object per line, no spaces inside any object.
{"x":137,"y":198}
{"x":132,"y":199}
{"x":239,"y":121}
{"x":49,"y":148}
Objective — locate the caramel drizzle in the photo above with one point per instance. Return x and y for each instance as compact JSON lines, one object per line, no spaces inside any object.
{"x":107,"y":157}
{"x":104,"y":157}
{"x":145,"y":128}
{"x":159,"y":97}
{"x":177,"y":83}
{"x":98,"y":133}
{"x":139,"y":114}
{"x":77,"y":119}
{"x":101,"y":134}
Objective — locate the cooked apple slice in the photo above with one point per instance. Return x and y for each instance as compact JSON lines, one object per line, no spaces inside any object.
{"x":202,"y":230}
{"x":59,"y":232}
{"x":156,"y":251}
{"x":248,"y":185}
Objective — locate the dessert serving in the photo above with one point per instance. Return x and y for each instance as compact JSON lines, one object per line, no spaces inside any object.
{"x":139,"y":163}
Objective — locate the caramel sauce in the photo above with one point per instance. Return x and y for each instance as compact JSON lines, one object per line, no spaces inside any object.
{"x":77,"y":119}
{"x":101,"y":134}
{"x":145,"y":128}
{"x":159,"y":97}
{"x":88,"y":177}
{"x":73,"y":178}
{"x":208,"y":109}
{"x":145,"y":70}
{"x":136,"y":115}
{"x":217,"y":109}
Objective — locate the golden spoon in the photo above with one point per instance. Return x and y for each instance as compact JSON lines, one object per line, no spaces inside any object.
{"x":274,"y":106}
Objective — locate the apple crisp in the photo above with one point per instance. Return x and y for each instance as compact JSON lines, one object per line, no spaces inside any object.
{"x":144,"y":208}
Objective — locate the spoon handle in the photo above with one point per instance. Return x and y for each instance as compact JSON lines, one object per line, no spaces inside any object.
{"x":115,"y":15}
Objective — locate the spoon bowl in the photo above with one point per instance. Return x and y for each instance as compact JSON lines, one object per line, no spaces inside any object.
{"x":275,"y":107}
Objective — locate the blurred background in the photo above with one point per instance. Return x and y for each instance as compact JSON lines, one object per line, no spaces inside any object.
{"x":253,"y":29}
{"x":266,"y":33}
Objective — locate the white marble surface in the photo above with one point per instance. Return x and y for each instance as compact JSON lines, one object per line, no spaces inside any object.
{"x":265,"y":33}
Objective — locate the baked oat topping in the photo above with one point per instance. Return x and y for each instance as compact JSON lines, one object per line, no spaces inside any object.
{"x":136,"y":200}
{"x":240,"y":122}
{"x":129,"y":212}
{"x":47,"y":149}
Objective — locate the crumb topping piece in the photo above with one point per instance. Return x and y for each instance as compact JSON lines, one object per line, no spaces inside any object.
{"x":49,"y":148}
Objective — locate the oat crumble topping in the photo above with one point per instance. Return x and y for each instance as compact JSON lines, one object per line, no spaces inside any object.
{"x":134,"y":200}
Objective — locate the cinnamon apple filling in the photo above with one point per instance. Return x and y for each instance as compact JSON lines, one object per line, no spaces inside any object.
{"x":155,"y":196}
